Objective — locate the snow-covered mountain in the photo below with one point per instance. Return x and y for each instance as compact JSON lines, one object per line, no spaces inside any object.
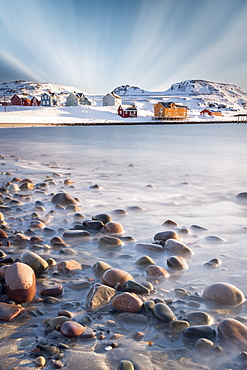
{"x":34,"y":88}
{"x":196,"y":94}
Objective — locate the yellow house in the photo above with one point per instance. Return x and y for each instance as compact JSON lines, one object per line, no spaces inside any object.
{"x":170,"y":110}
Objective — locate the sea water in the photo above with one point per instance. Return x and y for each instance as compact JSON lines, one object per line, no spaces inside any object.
{"x":190,"y":174}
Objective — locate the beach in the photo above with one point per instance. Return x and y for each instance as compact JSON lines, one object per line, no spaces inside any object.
{"x":129,"y":190}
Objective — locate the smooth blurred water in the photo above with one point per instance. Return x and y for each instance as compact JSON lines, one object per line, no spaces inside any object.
{"x":195,"y":171}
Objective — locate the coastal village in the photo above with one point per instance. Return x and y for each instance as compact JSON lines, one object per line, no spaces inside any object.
{"x":162,"y":110}
{"x":187,"y":101}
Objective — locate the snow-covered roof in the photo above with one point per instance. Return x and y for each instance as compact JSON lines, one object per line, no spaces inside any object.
{"x":128,"y":107}
{"x":168,"y":104}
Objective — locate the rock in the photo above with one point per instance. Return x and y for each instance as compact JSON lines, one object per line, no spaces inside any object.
{"x":114,"y":228}
{"x":199,"y":318}
{"x":20,"y":282}
{"x":127,"y":302}
{"x":176,"y":263}
{"x":109,"y":242}
{"x":204,"y":345}
{"x":9,"y":311}
{"x":234,"y":333}
{"x":242,"y":197}
{"x":26,"y":186}
{"x":38,"y":264}
{"x":68,"y":267}
{"x":13,"y":188}
{"x":65,"y":313}
{"x":54,"y":291}
{"x":112,"y":277}
{"x":58,"y":320}
{"x":57,"y":364}
{"x":177,"y":247}
{"x":170,"y":223}
{"x":80,"y":285}
{"x":163,"y":312}
{"x":223,"y":293}
{"x":63,"y":199}
{"x":156,"y":272}
{"x":133,"y":286}
{"x":177,"y":326}
{"x":93,"y":224}
{"x":76,"y":234}
{"x":1,"y":216}
{"x":125,"y":365}
{"x":150,"y":246}
{"x":72,"y":329}
{"x":40,"y":361}
{"x":165,"y":235}
{"x":100,"y":267}
{"x":193,"y":333}
{"x":3,"y":234}
{"x":215,"y":262}
{"x":99,"y":295}
{"x":144,"y":260}
{"x":103,"y":217}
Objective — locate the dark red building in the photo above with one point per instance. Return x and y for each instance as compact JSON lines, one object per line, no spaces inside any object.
{"x":126,"y":111}
{"x":20,"y":100}
{"x":35,"y":101}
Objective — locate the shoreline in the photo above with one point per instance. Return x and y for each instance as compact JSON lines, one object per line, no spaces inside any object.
{"x":31,"y":124}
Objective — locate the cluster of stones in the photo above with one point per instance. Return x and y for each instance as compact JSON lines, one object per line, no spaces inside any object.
{"x":115,"y":288}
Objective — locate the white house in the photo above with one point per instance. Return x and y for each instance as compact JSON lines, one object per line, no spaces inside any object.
{"x":112,"y":99}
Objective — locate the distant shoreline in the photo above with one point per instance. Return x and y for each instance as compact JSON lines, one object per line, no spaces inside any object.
{"x":29,"y":124}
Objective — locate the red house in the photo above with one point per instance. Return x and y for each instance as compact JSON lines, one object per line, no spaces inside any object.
{"x":35,"y":101}
{"x":210,"y":112}
{"x":126,"y":111}
{"x":20,"y":100}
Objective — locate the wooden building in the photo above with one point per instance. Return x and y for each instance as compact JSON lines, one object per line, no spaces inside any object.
{"x":170,"y":110}
{"x":20,"y":100}
{"x":112,"y":99}
{"x":210,"y":112}
{"x":127,"y":111}
{"x":35,"y":101}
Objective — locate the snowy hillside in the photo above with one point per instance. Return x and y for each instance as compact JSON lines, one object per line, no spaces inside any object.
{"x":34,"y":88}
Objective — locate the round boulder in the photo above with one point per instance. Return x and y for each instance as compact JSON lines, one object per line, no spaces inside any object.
{"x":37,"y":263}
{"x":223,"y":293}
{"x":234,"y":333}
{"x":63,"y":199}
{"x":127,"y":302}
{"x":20,"y":282}
{"x":112,"y":277}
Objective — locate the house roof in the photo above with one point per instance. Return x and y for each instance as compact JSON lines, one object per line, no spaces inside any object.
{"x":128,"y":107}
{"x":168,"y":104}
{"x":23,"y":97}
{"x":114,"y":95}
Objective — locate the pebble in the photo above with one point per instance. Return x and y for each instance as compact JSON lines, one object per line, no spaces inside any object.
{"x":133,"y":286}
{"x":76,"y":234}
{"x":127,"y":302}
{"x":170,"y":223}
{"x":151,"y":247}
{"x":53,"y":291}
{"x":176,"y":263}
{"x":177,"y":326}
{"x":201,"y":331}
{"x":144,"y":260}
{"x":199,"y":318}
{"x":149,"y":305}
{"x":68,"y":267}
{"x":40,"y":361}
{"x":38,"y":264}
{"x":224,"y":294}
{"x":241,"y":197}
{"x":57,"y":364}
{"x":58,"y":320}
{"x":3,"y":234}
{"x":114,"y":228}
{"x":99,"y":295}
{"x":63,"y":199}
{"x":20,"y":282}
{"x":93,"y":224}
{"x":156,"y":272}
{"x":100,"y":267}
{"x":72,"y":329}
{"x":8,"y":312}
{"x":165,"y":235}
{"x":125,"y":365}
{"x":177,"y":247}
{"x":163,"y":312}
{"x":112,"y":277}
{"x":109,"y":242}
{"x":204,"y":345}
{"x":234,"y":333}
{"x":103,"y":217}
{"x":215,"y":262}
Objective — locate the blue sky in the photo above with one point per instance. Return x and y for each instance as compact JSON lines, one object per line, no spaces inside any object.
{"x":97,"y":45}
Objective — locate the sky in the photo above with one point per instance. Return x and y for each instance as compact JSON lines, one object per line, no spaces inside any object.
{"x":98,"y":45}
